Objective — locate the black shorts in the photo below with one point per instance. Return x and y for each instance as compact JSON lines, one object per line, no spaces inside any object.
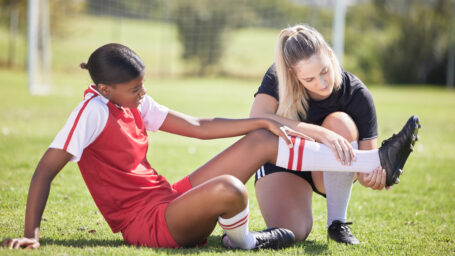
{"x":267,"y":169}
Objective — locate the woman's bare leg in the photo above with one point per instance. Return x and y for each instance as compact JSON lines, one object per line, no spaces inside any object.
{"x":286,"y":206}
{"x":338,"y":185}
{"x":295,"y":212}
{"x":342,"y":124}
{"x":193,"y":216}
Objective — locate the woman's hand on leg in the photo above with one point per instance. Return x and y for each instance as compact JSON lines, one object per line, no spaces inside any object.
{"x":341,"y":147}
{"x":374,"y":180}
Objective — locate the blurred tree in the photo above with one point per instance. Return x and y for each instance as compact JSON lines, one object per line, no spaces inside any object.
{"x":202,"y":27}
{"x":276,"y":13}
{"x":138,"y":9}
{"x":13,"y":15}
{"x":418,"y":52}
{"x":60,"y":12}
{"x":366,"y":37}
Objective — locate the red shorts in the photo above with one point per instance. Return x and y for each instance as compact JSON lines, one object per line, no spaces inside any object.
{"x":149,"y":228}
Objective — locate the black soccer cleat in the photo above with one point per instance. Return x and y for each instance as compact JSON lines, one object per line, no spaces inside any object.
{"x":394,"y":151}
{"x":340,"y":233}
{"x":271,"y":238}
{"x":274,"y":238}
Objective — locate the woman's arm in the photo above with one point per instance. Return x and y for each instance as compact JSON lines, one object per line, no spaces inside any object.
{"x":49,"y":166}
{"x":265,"y":106}
{"x":212,"y":128}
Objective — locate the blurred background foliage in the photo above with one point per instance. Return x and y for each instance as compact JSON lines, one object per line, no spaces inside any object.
{"x":399,"y":42}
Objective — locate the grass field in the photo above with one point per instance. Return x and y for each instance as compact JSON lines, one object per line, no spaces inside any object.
{"x":416,"y":217}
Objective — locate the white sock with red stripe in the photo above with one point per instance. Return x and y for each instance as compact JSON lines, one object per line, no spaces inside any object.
{"x":312,"y":156}
{"x":236,"y":229}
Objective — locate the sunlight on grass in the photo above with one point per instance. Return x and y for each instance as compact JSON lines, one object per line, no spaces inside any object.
{"x":415,"y":217}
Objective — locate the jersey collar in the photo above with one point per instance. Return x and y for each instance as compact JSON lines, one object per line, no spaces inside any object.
{"x":92,"y":90}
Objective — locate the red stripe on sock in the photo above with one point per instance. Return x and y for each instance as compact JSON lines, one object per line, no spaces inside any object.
{"x":70,"y":135}
{"x":236,"y":223}
{"x":239,"y":225}
{"x":299,"y":162}
{"x":291,"y":154}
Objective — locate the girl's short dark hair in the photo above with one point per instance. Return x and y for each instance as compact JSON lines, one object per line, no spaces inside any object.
{"x":113,"y":64}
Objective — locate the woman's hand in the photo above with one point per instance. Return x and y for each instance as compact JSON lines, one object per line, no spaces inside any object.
{"x":341,"y":147}
{"x":374,"y":180}
{"x":23,"y":242}
{"x":284,"y":132}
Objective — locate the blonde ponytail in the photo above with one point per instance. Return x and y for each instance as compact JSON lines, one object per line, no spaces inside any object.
{"x":297,"y":43}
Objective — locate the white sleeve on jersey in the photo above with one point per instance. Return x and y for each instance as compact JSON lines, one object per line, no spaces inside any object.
{"x":76,"y":135}
{"x":152,"y":113}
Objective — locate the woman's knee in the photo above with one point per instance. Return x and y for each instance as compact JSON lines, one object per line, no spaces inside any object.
{"x":342,"y":124}
{"x":302,"y":230}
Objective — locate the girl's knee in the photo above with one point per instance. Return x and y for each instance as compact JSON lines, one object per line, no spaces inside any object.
{"x":260,"y":135}
{"x":231,"y":190}
{"x":262,"y":140}
{"x":343,"y":124}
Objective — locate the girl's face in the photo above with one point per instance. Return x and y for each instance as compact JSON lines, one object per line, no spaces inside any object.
{"x":316,"y":75}
{"x":128,"y":94}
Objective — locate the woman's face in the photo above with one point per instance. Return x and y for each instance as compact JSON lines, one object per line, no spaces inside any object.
{"x":316,"y":75}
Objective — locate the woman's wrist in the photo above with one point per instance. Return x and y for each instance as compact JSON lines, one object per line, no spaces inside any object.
{"x":320,"y":133}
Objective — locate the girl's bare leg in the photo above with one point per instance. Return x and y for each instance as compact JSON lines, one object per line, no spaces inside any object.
{"x":241,"y":159}
{"x":193,"y":216}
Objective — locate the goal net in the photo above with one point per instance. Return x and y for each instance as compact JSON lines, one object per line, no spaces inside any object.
{"x":234,"y":38}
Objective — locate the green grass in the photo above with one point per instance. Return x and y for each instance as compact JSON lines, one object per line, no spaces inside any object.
{"x":416,"y":217}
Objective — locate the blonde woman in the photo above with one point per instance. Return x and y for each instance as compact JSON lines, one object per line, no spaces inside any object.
{"x":307,"y":90}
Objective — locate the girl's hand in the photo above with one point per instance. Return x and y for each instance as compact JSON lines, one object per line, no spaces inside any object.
{"x":341,"y":147}
{"x":295,"y":133}
{"x":23,"y":242}
{"x":284,"y":132}
{"x":374,"y":180}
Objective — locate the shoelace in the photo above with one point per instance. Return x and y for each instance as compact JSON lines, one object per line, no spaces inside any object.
{"x":342,"y":226}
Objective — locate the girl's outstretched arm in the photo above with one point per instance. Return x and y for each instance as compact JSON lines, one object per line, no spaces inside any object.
{"x":49,"y":166}
{"x":211,"y":128}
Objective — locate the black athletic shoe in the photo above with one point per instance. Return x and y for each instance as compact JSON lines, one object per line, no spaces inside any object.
{"x":340,"y":233}
{"x":271,"y":238}
{"x":394,"y":151}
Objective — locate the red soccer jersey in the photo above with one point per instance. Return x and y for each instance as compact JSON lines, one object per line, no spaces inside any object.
{"x":113,"y":160}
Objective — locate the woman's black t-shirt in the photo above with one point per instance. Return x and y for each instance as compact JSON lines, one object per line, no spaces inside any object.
{"x":352,"y":98}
